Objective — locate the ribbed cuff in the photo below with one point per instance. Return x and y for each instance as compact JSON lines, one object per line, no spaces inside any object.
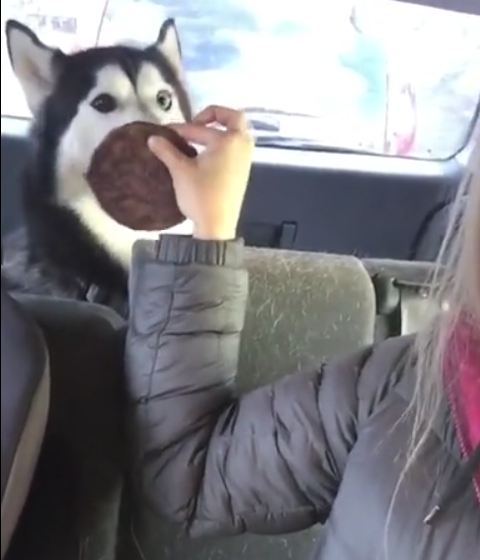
{"x":181,"y":250}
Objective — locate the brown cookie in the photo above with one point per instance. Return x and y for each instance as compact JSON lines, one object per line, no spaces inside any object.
{"x":132,"y":185}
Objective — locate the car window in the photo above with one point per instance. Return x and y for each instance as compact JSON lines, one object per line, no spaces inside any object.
{"x":379,"y":76}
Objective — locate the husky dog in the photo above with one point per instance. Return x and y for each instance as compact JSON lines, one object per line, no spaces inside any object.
{"x":71,"y":247}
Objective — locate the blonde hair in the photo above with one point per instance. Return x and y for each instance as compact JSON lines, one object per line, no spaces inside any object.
{"x":456,"y":292}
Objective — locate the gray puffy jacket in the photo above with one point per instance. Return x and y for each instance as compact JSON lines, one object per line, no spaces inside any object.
{"x":321,"y":447}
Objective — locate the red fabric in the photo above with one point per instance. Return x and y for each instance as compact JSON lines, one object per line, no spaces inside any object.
{"x":463,"y":381}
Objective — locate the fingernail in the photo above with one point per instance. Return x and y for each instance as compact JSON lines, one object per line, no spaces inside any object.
{"x":154,"y":142}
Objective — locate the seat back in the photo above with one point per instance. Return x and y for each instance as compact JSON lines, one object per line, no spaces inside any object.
{"x":303,"y":308}
{"x":25,"y":401}
{"x":74,"y":505}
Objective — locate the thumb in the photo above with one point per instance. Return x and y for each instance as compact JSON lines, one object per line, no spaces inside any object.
{"x":166,"y":152}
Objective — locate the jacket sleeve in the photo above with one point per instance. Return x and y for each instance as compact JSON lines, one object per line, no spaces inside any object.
{"x":267,"y":462}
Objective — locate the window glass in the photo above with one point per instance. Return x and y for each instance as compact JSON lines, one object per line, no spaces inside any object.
{"x":365,"y":75}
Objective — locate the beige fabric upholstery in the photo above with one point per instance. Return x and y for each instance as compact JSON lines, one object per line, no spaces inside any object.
{"x":25,"y":460}
{"x":73,"y":509}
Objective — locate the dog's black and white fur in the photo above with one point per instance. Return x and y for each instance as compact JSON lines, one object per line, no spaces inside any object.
{"x":71,"y":247}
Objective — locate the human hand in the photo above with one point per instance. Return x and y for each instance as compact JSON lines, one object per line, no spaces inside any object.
{"x":211,"y":187}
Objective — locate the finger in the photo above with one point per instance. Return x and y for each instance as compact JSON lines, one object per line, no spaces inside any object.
{"x":231,"y":119}
{"x":198,"y":134}
{"x":166,"y":152}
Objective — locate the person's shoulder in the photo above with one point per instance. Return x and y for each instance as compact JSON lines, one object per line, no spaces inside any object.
{"x":369,"y":362}
{"x":369,"y":374}
{"x":387,"y":365}
{"x":387,"y":355}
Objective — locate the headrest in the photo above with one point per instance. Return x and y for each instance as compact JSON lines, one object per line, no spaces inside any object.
{"x":303,"y":308}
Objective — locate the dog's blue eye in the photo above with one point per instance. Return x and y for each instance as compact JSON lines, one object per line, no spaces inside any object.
{"x":164,"y":100}
{"x":104,"y":103}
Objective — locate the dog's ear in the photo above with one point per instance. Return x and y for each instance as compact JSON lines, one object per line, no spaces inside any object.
{"x":168,"y":43}
{"x":33,"y":63}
